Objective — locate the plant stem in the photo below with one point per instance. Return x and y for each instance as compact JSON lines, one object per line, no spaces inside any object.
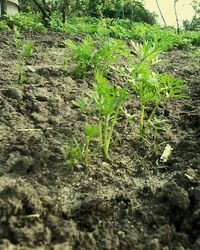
{"x":100,"y":129}
{"x":112,"y":127}
{"x":142,"y":119}
{"x":109,"y":135}
{"x":106,"y":145}
{"x":153,"y":113}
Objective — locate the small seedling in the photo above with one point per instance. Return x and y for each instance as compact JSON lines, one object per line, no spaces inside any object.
{"x":107,"y":100}
{"x":84,"y":103}
{"x":149,"y":86}
{"x":72,"y":152}
{"x":108,"y":53}
{"x":91,"y":131}
{"x":81,"y":53}
{"x":154,"y":88}
{"x":23,"y":50}
{"x":89,"y":58}
{"x":167,"y":88}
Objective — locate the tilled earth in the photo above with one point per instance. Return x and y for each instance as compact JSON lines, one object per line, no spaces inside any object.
{"x":133,"y":202}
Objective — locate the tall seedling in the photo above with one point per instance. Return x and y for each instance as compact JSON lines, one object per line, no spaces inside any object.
{"x":143,"y":79}
{"x":23,"y":50}
{"x":106,"y":100}
{"x":82,"y":54}
{"x":155,"y":88}
{"x":151,"y":87}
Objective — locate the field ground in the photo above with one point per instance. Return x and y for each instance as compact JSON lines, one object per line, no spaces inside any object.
{"x":134,"y":202}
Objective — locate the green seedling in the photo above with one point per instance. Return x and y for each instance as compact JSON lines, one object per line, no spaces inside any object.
{"x":147,"y":53}
{"x":149,"y":86}
{"x":106,"y":101}
{"x":153,"y":88}
{"x":108,"y":53}
{"x":89,"y":58}
{"x":144,"y":80}
{"x":81,"y":53}
{"x":72,"y":152}
{"x":91,"y":131}
{"x":167,"y":88}
{"x":23,"y":50}
{"x":84,"y":103}
{"x":3,"y":25}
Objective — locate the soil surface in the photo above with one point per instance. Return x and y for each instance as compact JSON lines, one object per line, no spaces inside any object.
{"x":133,"y":202}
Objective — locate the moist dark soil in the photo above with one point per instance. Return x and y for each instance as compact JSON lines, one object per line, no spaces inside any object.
{"x":133,"y":202}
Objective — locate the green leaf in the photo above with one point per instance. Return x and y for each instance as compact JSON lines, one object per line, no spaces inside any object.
{"x":91,"y":130}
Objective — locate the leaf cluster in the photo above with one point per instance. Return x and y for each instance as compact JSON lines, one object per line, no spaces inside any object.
{"x":151,"y":87}
{"x":72,"y":152}
{"x":105,"y":101}
{"x":89,"y":58}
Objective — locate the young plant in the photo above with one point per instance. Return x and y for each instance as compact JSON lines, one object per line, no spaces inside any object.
{"x":72,"y":152}
{"x":89,"y":58}
{"x":106,"y":100}
{"x":3,"y":25}
{"x":147,"y":53}
{"x":91,"y":131}
{"x":145,"y":88}
{"x":149,"y":86}
{"x":23,"y":50}
{"x":108,"y":53}
{"x":81,"y":53}
{"x":153,"y":88}
{"x":168,"y":88}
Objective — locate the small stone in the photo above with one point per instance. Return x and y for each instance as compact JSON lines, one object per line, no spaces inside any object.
{"x":6,"y":244}
{"x":166,"y":234}
{"x":48,"y":201}
{"x":39,"y":118}
{"x":52,"y":121}
{"x":195,"y":216}
{"x":179,"y":247}
{"x":120,"y":233}
{"x":79,"y":167}
{"x":197,"y":243}
{"x":165,"y":248}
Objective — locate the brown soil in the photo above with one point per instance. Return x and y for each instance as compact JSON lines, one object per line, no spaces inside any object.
{"x":134,"y":202}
